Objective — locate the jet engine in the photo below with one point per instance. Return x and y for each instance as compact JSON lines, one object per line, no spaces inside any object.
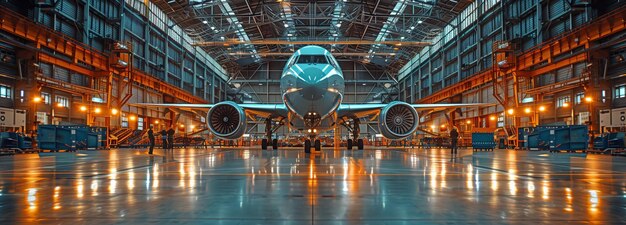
{"x":398,"y":120}
{"x":227,"y":120}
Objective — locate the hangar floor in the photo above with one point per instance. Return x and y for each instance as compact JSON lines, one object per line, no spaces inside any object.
{"x":240,"y":186}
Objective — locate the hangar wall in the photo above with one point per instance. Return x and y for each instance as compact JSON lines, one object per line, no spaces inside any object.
{"x":161,"y":52}
{"x":465,"y":51}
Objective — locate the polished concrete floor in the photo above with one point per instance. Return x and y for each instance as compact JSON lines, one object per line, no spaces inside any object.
{"x":249,"y":186}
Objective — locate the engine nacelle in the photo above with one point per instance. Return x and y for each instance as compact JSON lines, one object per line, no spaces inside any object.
{"x":227,"y":120}
{"x":398,"y":120}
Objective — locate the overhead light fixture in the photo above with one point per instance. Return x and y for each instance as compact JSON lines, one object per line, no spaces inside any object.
{"x":205,"y":22}
{"x":212,"y":27}
{"x":289,"y":35}
{"x":338,"y":25}
{"x":401,"y":38}
{"x":412,"y":27}
{"x":420,"y":21}
{"x":222,"y":37}
{"x":286,"y":25}
{"x":542,"y":108}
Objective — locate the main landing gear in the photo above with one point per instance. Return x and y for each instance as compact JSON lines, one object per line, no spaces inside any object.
{"x":269,"y":129}
{"x":356,"y":130}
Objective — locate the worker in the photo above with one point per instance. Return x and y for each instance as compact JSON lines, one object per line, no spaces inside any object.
{"x":170,"y":137}
{"x":151,"y":139}
{"x":454,"y":136}
{"x":164,"y":139}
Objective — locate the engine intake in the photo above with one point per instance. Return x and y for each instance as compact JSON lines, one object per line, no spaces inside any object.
{"x":227,"y":120}
{"x":398,"y":120}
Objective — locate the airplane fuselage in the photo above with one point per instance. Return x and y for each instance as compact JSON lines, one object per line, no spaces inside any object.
{"x":312,"y":87}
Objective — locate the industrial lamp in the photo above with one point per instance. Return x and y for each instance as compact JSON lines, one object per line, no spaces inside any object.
{"x":511,"y":111}
{"x":542,"y":108}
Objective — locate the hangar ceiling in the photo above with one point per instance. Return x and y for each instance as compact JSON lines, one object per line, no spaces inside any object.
{"x":242,"y":34}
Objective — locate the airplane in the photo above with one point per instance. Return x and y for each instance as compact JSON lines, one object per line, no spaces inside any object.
{"x":312,"y":87}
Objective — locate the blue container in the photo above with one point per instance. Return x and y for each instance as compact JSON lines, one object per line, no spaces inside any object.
{"x":483,"y":141}
{"x":46,"y":137}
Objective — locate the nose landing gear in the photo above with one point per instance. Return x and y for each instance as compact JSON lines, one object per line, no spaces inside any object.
{"x":316,"y":145}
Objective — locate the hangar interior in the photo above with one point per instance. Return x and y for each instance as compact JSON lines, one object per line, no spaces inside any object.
{"x":72,"y":62}
{"x":528,"y":89}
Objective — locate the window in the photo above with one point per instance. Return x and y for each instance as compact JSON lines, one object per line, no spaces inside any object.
{"x":579,"y":97}
{"x":124,"y":120}
{"x":63,"y":101}
{"x":560,"y":102}
{"x":5,"y":91}
{"x":139,"y":123}
{"x":312,"y":59}
{"x":620,"y":91}
{"x":45,"y":97}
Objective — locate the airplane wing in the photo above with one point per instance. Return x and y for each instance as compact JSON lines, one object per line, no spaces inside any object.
{"x":363,"y":110}
{"x":263,"y":110}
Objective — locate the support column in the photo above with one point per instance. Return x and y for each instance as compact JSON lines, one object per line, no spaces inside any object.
{"x":337,"y":138}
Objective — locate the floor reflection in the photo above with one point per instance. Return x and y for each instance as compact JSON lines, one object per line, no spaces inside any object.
{"x":238,"y":186}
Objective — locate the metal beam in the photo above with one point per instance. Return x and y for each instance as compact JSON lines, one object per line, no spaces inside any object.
{"x":291,"y":53}
{"x":310,"y":42}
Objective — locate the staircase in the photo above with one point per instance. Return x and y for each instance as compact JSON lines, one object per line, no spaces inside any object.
{"x":121,"y":134}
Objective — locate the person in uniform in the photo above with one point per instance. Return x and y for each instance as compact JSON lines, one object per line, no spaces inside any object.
{"x":454,"y":136}
{"x":151,"y":139}
{"x":170,"y":137}
{"x":164,"y":139}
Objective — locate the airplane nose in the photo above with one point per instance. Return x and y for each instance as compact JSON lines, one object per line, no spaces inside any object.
{"x":311,"y":87}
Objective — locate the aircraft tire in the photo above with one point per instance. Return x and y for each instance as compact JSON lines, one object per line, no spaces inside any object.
{"x":318,"y":145}
{"x":307,"y":146}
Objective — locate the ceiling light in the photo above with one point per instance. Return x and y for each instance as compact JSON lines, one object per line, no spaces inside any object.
{"x":338,"y":25}
{"x":364,"y":84}
{"x":289,"y":35}
{"x":286,"y":25}
{"x":334,"y":35}
{"x":412,"y":27}
{"x":212,"y":27}
{"x":222,"y":37}
{"x":401,"y":38}
{"x":420,"y":21}
{"x":205,"y":22}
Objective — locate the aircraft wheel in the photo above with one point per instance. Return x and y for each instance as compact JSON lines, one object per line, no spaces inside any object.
{"x":275,"y":144}
{"x":307,"y":146}
{"x":359,"y":144}
{"x":318,"y":145}
{"x":264,"y":144}
{"x":349,"y":144}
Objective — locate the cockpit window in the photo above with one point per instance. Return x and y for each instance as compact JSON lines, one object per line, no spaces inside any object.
{"x":312,"y":59}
